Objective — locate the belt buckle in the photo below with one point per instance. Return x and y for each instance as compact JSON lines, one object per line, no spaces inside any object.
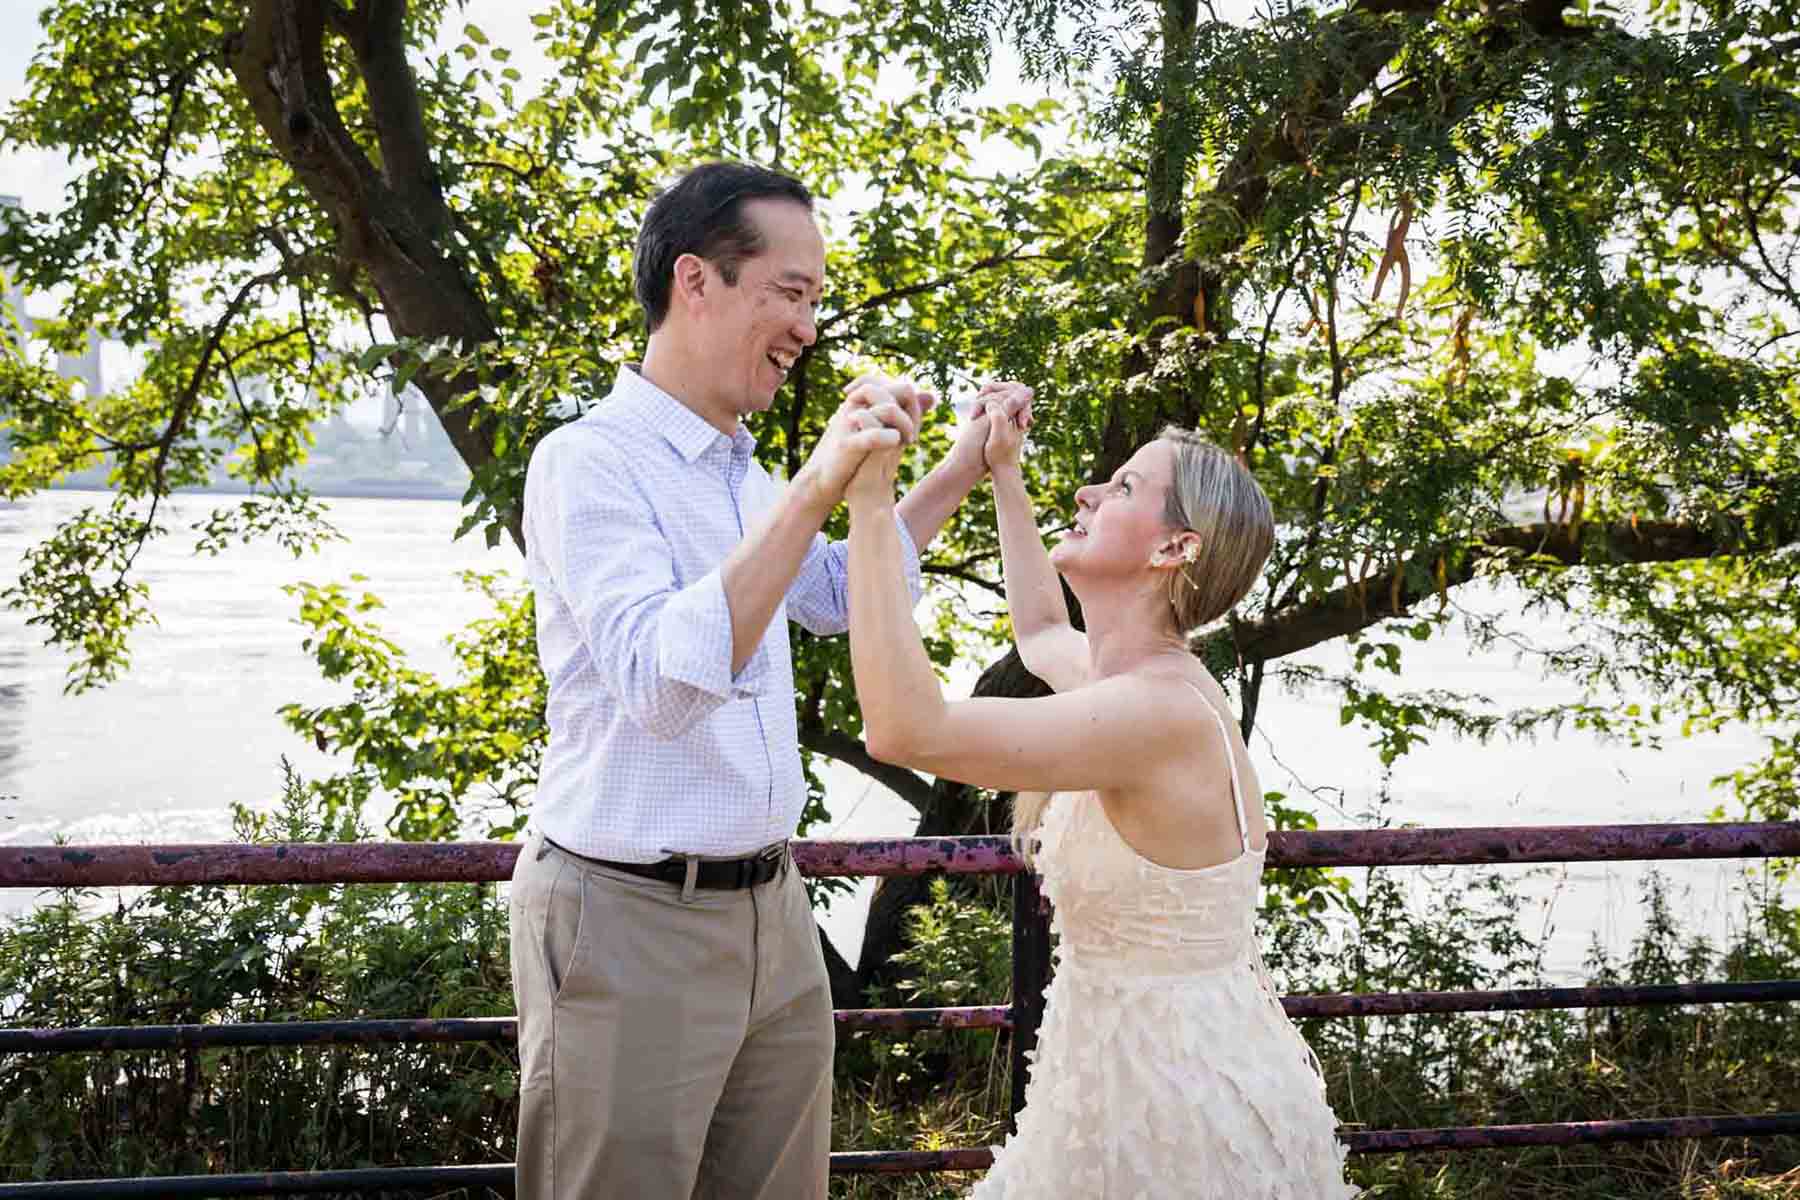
{"x":762,"y":866}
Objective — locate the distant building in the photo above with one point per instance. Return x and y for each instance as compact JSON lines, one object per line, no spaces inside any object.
{"x":407,"y":455}
{"x":14,"y":296}
{"x":18,"y":323}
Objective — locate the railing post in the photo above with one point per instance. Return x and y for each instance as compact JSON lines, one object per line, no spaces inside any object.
{"x":1030,"y":975}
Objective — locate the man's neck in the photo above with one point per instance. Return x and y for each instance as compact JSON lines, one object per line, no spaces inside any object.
{"x":682,"y":374}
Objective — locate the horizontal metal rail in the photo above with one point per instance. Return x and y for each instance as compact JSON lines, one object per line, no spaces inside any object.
{"x":1392,"y":1004}
{"x":376,"y":1032}
{"x":369,"y":1032}
{"x":1569,"y":1133}
{"x":488,"y":862}
{"x":499,"y":1176}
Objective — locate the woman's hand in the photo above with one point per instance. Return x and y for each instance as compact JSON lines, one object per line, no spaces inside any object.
{"x":1008,"y":409}
{"x":873,"y":483}
{"x":970,"y":448}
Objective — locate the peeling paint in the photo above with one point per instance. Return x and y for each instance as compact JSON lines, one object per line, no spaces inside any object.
{"x":1567,"y":1133}
{"x":489,"y":862}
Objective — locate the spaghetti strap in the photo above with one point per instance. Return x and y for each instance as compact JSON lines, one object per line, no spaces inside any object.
{"x":1237,"y":790}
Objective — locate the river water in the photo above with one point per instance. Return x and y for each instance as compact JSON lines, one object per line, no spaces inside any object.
{"x":160,"y":755}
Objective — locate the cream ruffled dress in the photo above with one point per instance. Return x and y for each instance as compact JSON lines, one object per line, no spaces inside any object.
{"x":1165,"y":1067}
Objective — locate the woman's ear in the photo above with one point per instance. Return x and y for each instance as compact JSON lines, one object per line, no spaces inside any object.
{"x":1179,"y":550}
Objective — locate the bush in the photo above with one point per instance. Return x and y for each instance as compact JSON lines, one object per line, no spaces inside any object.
{"x":176,"y":955}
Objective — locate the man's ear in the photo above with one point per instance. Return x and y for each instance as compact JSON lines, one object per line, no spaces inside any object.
{"x":689,"y":284}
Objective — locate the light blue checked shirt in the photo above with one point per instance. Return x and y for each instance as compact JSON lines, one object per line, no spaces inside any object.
{"x":655,"y":747}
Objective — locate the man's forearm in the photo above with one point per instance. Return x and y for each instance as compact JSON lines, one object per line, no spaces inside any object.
{"x":759,"y":570}
{"x":929,"y":504}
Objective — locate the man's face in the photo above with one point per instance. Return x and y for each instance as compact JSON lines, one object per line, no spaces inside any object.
{"x":754,"y":332}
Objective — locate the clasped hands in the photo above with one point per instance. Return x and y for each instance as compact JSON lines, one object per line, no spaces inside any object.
{"x":858,"y":456}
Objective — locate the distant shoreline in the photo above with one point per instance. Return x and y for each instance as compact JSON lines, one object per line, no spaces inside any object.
{"x":336,"y":491}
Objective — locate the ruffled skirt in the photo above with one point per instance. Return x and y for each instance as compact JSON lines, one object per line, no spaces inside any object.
{"x":1191,"y":1088}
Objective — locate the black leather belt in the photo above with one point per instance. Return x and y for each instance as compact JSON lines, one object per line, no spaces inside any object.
{"x":727,"y":873}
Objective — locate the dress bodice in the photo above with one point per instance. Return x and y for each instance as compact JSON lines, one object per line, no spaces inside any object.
{"x":1119,"y":913}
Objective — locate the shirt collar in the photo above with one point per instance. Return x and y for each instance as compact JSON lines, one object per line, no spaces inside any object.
{"x":686,"y":430}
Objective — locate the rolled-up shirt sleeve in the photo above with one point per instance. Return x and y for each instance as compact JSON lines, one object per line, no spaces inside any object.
{"x":662,"y":649}
{"x":819,"y":599}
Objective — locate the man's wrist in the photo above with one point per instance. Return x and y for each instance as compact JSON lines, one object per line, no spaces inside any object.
{"x":813,"y":495}
{"x":967,"y":469}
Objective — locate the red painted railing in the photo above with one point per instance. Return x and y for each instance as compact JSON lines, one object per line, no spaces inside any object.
{"x":486,"y":862}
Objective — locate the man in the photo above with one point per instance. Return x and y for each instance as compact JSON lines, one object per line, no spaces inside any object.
{"x":675,"y":1030}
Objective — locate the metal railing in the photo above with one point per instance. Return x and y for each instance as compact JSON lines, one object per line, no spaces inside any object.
{"x":487,"y":862}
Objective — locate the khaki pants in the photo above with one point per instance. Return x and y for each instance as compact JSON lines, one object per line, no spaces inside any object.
{"x":668,"y":1050}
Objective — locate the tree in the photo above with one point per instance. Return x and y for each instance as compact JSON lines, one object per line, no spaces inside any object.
{"x":1572,"y":370}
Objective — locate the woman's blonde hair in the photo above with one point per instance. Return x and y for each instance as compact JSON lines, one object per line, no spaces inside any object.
{"x":1215,"y":496}
{"x":1027,"y":814}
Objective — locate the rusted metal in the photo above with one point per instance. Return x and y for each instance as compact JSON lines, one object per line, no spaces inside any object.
{"x":1568,"y":1133}
{"x":1030,"y":976}
{"x":488,"y":862}
{"x":972,"y":855}
{"x":499,"y":1176}
{"x":291,"y":862}
{"x":390,"y":1032}
{"x":992,"y":1016}
{"x":493,"y":1176}
{"x":989,"y":1016}
{"x":265,"y":1033}
{"x":910,"y":1162}
{"x":1387,"y":1004}
{"x":1532,"y":844}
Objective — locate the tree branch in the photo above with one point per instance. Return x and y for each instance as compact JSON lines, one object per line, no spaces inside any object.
{"x":399,"y":120}
{"x":931,"y":285}
{"x":950,"y":572}
{"x":846,"y":983}
{"x":384,"y":226}
{"x":177,"y":92}
{"x":833,"y":743}
{"x":1356,"y":606}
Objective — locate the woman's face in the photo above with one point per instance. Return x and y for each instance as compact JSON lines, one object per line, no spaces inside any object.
{"x":1120,"y":525}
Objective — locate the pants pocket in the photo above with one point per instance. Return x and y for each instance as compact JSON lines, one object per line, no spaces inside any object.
{"x":565,"y":930}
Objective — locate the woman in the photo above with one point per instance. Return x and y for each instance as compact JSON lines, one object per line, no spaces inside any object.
{"x":1165,"y":1066}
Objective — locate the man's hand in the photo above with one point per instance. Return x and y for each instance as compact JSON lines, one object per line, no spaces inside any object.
{"x":967,"y":453}
{"x":1007,"y":406}
{"x":915,"y":400}
{"x":870,"y":418}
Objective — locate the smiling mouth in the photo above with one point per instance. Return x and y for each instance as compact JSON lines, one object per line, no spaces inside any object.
{"x":782,"y":362}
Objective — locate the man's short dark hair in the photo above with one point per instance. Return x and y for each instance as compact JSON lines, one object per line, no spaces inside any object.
{"x":702,"y":213}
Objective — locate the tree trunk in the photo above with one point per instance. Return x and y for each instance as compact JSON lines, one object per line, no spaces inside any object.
{"x":388,"y":221}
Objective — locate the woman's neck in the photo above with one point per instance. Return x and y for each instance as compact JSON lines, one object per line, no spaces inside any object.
{"x":1126,"y":630}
